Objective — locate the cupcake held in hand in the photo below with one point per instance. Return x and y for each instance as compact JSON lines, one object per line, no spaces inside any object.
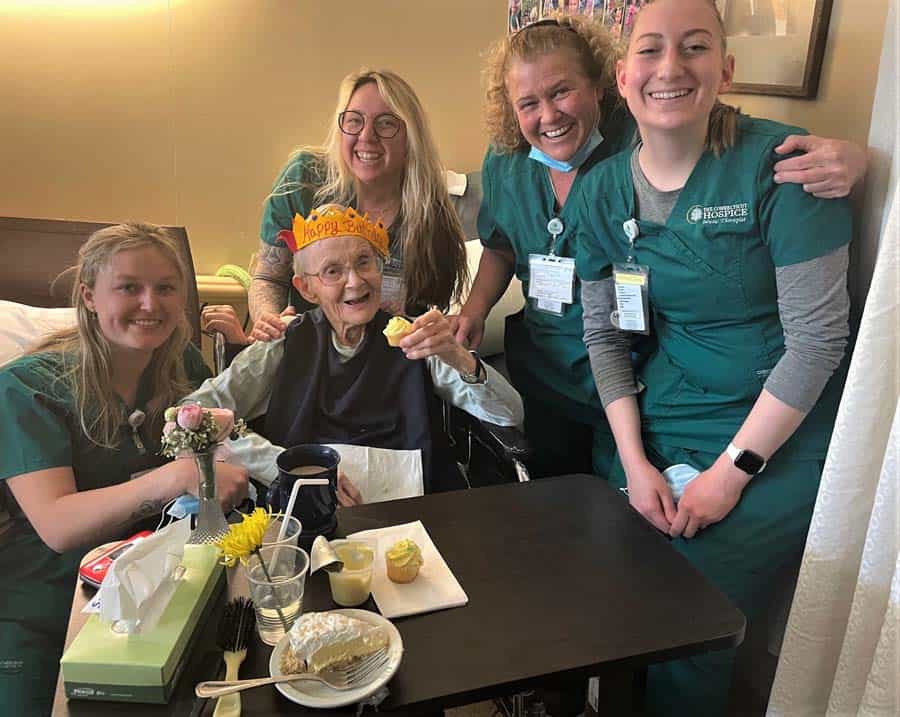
{"x":397,"y":328}
{"x":403,"y":560}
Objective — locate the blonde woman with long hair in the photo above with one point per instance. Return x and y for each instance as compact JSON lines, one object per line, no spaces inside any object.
{"x":723,"y":444}
{"x":77,"y":466}
{"x":379,"y":157}
{"x":553,"y":116}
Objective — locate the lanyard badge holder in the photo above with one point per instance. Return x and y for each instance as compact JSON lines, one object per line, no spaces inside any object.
{"x":552,"y":278}
{"x":632,"y":283}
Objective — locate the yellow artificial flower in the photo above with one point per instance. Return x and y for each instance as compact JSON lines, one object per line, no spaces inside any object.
{"x":245,"y":537}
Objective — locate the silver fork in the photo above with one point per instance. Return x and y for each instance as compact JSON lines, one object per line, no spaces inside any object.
{"x":354,"y":675}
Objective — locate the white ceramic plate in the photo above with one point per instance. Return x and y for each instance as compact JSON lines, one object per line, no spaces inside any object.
{"x":315,"y":694}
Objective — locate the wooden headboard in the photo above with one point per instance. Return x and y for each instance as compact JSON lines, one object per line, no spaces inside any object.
{"x":36,"y":251}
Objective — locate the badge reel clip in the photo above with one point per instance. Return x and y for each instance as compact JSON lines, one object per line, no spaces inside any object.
{"x":552,"y":277}
{"x":632,"y":283}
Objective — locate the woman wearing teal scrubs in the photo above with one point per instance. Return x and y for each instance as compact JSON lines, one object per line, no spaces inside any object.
{"x":381,"y":159}
{"x":75,"y":454}
{"x":748,"y":303}
{"x":553,"y":116}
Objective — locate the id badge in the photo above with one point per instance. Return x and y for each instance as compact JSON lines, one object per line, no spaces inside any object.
{"x":632,"y":282}
{"x":552,"y":282}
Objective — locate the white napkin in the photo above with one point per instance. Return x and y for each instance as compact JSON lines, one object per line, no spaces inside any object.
{"x":138,"y":586}
{"x":382,"y":473}
{"x":435,"y":587}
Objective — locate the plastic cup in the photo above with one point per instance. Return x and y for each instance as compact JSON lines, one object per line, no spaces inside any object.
{"x":290,"y":537}
{"x":277,"y":584}
{"x":352,"y":585}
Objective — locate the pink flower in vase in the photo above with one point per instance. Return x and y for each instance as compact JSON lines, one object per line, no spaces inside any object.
{"x":169,"y":427}
{"x":190,"y":416}
{"x":224,"y":419}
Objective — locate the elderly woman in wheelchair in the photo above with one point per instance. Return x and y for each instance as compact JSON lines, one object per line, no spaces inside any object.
{"x":333,"y":378}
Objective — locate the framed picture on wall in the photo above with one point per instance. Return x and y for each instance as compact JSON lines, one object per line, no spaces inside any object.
{"x":778,"y":45}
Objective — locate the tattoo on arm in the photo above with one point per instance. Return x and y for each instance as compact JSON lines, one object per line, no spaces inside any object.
{"x":147,"y":507}
{"x":271,"y":280}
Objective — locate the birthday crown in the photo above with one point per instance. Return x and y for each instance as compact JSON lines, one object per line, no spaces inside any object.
{"x":334,"y":220}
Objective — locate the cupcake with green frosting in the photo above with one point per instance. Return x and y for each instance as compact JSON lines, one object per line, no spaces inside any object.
{"x":403,"y":560}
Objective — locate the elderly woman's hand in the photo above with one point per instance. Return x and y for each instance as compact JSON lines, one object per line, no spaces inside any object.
{"x":348,"y":494}
{"x":231,"y":484}
{"x":432,"y":335}
{"x":222,"y":318}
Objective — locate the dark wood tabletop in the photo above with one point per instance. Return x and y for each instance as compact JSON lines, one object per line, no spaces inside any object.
{"x":563,"y":579}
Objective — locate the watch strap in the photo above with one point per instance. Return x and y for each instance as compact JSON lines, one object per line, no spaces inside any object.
{"x":479,"y":375}
{"x":735,"y":454}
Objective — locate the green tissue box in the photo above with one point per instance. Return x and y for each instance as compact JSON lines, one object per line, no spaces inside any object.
{"x":103,"y":665}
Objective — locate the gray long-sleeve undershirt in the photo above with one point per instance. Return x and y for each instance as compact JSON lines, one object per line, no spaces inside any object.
{"x":813,"y":306}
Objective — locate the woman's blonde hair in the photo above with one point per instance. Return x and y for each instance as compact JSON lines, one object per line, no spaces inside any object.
{"x":592,"y":44}
{"x":86,"y":351}
{"x":721,"y":133}
{"x":435,"y":270}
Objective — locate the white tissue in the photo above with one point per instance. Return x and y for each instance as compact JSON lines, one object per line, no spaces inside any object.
{"x":139,"y":584}
{"x":382,"y":473}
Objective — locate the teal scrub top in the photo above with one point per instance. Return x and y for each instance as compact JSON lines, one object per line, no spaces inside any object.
{"x":41,"y":430}
{"x":294,"y":193}
{"x":714,"y":305}
{"x":545,"y":353}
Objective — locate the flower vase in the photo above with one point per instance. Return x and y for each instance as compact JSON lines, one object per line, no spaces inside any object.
{"x":211,"y":524}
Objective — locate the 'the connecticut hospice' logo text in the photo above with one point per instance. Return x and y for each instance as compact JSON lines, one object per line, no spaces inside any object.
{"x":723,"y":214}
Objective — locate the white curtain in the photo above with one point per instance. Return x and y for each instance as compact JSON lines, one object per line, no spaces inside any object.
{"x":840,"y":653}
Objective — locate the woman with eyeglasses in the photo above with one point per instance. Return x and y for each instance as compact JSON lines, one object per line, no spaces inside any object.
{"x":380,"y":158}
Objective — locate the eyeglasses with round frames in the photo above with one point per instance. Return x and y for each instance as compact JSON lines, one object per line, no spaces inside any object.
{"x":365,"y":266}
{"x":386,"y":125}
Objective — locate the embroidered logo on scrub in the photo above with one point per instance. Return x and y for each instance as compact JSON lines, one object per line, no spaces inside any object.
{"x":722,"y":214}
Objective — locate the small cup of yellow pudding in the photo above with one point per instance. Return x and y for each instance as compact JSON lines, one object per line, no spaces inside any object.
{"x":396,"y":329}
{"x":403,"y":560}
{"x":351,"y":586}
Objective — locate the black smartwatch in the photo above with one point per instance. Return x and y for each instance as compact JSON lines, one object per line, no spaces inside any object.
{"x":748,"y":461}
{"x":479,"y":375}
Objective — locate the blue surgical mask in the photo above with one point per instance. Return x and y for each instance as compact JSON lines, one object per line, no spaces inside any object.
{"x":185,"y":505}
{"x":678,"y":476}
{"x":575,"y":161}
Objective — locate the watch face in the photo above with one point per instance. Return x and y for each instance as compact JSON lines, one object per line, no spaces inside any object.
{"x":749,"y":462}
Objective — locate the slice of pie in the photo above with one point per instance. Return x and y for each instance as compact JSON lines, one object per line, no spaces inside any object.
{"x":319,"y":640}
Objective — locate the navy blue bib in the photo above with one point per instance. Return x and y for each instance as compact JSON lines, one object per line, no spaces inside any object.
{"x":378,"y":398}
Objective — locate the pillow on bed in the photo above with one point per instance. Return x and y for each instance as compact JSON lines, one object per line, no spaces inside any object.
{"x":21,"y":326}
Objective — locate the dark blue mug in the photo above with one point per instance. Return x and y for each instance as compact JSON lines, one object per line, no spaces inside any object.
{"x":315,"y":504}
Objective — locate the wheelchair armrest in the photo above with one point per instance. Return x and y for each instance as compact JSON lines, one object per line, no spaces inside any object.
{"x":505,"y":444}
{"x":508,"y":439}
{"x":223,"y":352}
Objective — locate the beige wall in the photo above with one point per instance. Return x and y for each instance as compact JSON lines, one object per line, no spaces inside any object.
{"x":183,"y":111}
{"x":115,"y":109}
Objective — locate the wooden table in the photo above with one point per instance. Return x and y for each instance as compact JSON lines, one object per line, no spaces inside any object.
{"x":563,"y":578}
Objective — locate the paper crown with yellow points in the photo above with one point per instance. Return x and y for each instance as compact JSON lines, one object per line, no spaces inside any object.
{"x":334,"y":220}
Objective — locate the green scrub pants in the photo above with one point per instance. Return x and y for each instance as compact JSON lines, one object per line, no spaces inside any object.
{"x":33,"y":619}
{"x":743,"y":555}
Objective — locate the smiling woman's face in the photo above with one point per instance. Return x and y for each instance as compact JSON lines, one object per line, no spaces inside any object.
{"x":557,"y":106}
{"x":675,"y":67}
{"x":373,"y":159}
{"x":138,"y":299}
{"x":351,"y":302}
